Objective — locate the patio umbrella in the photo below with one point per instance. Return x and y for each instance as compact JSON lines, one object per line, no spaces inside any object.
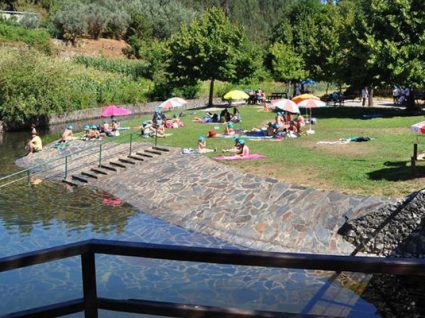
{"x":300,"y":98}
{"x":310,"y":104}
{"x":418,"y":128}
{"x":286,"y":104}
{"x":174,"y":102}
{"x":113,"y":110}
{"x":236,"y":95}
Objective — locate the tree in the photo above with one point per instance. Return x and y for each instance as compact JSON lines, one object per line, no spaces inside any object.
{"x":97,"y":18}
{"x":205,"y":50}
{"x":68,"y":19}
{"x":286,"y":65}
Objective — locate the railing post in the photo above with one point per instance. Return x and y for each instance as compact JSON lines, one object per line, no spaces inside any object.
{"x":66,"y":168}
{"x":89,"y":284}
{"x":100,"y":155}
{"x":29,"y":177}
{"x":131,"y":141}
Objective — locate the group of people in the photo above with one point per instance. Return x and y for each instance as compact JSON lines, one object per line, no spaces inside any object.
{"x":224,"y":117}
{"x":157,"y":126}
{"x":400,"y":95}
{"x":257,"y":97}
{"x":240,"y":148}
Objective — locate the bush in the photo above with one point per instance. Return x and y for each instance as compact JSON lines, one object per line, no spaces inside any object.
{"x":135,"y":69}
{"x":33,"y":85}
{"x":38,"y":39}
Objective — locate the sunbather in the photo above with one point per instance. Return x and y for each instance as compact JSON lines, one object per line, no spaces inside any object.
{"x":202,"y":145}
{"x":228,"y":130}
{"x":236,"y":147}
{"x":67,"y":134}
{"x":159,"y":129}
{"x":34,"y":144}
{"x":243,"y":148}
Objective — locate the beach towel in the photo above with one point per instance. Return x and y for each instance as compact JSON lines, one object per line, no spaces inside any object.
{"x":259,"y":137}
{"x":224,"y":136}
{"x":237,"y":157}
{"x":123,"y":128}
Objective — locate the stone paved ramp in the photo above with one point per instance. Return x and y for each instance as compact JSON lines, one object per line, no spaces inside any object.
{"x":200,"y":194}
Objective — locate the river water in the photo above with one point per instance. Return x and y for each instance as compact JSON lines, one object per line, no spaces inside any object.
{"x":50,"y":214}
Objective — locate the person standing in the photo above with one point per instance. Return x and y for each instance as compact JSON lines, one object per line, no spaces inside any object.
{"x":365,"y":95}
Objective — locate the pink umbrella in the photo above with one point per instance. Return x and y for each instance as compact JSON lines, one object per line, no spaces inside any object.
{"x":113,"y":110}
{"x":287,"y":105}
{"x":171,"y":103}
{"x":418,"y":128}
{"x":309,"y":104}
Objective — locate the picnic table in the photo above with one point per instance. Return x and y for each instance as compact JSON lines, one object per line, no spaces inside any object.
{"x":277,"y":95}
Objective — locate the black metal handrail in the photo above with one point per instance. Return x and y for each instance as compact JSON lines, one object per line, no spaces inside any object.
{"x":90,"y":303}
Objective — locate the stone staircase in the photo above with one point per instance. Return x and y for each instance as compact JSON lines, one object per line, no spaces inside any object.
{"x":112,"y":165}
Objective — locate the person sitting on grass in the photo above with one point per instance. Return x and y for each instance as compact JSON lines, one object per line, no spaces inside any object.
{"x":279,"y":119}
{"x":292,"y":130}
{"x":115,"y":126}
{"x":147,"y":130}
{"x":159,"y":129}
{"x":236,"y":116}
{"x":202,"y":145}
{"x":175,"y":122}
{"x":93,"y":132}
{"x":243,"y":149}
{"x":106,"y":129}
{"x":228,"y":130}
{"x":236,"y":147}
{"x":34,"y":144}
{"x":299,"y":122}
{"x":67,"y":134}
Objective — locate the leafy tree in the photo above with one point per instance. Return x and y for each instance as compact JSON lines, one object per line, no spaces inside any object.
{"x":205,"y":50}
{"x":97,"y":17}
{"x":286,"y":65}
{"x":68,"y":19}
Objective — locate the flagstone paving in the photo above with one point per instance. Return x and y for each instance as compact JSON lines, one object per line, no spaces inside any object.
{"x":205,"y":196}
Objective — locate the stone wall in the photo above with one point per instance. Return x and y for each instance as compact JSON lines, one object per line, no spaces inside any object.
{"x":394,"y":230}
{"x":144,"y":108}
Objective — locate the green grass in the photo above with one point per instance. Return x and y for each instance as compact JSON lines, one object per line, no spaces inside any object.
{"x":380,"y":166}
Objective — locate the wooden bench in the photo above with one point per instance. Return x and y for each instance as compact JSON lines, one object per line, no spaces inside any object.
{"x":277,"y":95}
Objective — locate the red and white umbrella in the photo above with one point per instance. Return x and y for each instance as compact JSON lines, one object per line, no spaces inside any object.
{"x":286,"y":105}
{"x":418,"y":128}
{"x":171,"y":103}
{"x":310,"y":104}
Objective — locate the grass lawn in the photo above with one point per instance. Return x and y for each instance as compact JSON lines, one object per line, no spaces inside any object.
{"x":380,"y":166}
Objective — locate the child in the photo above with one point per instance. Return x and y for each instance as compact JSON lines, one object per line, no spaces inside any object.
{"x":34,"y":145}
{"x":228,"y":130}
{"x":236,"y":148}
{"x":202,"y":145}
{"x":243,"y":148}
{"x":67,"y":134}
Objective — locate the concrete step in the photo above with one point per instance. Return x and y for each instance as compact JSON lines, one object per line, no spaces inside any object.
{"x":144,"y":155}
{"x":78,"y":178}
{"x":135,"y":158}
{"x":117,"y":164}
{"x":108,"y":167}
{"x":160,"y":149}
{"x":153,"y":152}
{"x":99,"y":171}
{"x":127,"y":161}
{"x":71,"y":183}
{"x":88,"y":174}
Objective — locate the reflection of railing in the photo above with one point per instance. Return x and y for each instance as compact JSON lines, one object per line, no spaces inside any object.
{"x":95,"y":150}
{"x":91,"y":303}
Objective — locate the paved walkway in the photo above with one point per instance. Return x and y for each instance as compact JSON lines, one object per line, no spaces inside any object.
{"x":202,"y":195}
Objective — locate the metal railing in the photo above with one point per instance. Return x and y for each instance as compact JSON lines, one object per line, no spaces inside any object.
{"x":66,"y":161}
{"x":91,"y":303}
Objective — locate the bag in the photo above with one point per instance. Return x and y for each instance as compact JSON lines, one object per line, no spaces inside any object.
{"x":212,"y":133}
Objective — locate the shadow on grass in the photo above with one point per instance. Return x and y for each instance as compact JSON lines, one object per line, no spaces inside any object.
{"x":397,"y":171}
{"x":365,"y":113}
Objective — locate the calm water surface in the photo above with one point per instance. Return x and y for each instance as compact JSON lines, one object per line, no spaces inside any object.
{"x":50,"y":214}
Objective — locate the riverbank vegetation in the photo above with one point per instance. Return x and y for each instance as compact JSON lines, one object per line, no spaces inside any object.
{"x":177,"y":46}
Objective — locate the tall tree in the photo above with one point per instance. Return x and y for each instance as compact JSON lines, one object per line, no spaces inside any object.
{"x":208,"y":49}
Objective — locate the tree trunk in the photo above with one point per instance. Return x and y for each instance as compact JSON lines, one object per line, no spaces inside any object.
{"x":210,"y":99}
{"x":370,"y":99}
{"x":327,"y":88}
{"x":410,"y":103}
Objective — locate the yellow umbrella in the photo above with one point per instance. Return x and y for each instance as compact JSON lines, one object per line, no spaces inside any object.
{"x":300,"y":98}
{"x":236,"y":95}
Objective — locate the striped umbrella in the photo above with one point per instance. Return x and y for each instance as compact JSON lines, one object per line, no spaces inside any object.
{"x":286,"y":105}
{"x":418,"y":128}
{"x":171,"y":103}
{"x":310,"y":104}
{"x":298,"y":99}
